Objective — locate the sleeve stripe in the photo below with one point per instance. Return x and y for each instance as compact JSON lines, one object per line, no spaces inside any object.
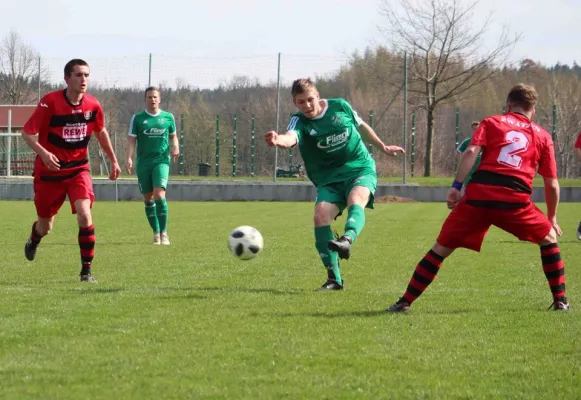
{"x":131,"y":126}
{"x":292,"y":123}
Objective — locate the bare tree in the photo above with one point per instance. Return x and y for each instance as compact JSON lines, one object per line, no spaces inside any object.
{"x":446,"y":55}
{"x":19,"y":70}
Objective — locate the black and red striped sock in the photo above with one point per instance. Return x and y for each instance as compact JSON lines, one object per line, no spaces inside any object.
{"x":35,"y":238}
{"x":554,"y":269}
{"x":87,"y":246}
{"x":425,"y":273}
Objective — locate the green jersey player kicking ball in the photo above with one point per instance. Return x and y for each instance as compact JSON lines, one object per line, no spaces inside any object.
{"x":154,"y":132}
{"x":329,"y":134}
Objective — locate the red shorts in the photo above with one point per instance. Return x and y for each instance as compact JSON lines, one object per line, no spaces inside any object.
{"x":467,"y":225}
{"x":50,"y":196}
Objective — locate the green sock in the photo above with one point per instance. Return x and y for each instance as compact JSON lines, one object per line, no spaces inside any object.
{"x":151,"y":216}
{"x":161,"y":208}
{"x":329,"y":258}
{"x":355,"y":221}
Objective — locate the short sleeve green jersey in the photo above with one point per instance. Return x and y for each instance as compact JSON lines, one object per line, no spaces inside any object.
{"x":461,"y":149}
{"x":330,"y":145}
{"x":152,"y":133}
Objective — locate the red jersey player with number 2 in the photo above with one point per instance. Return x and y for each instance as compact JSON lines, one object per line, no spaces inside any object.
{"x":498,"y":194}
{"x":59,"y":131}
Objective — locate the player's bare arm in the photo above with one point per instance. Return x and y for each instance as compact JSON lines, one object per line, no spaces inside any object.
{"x":130,"y":149}
{"x":285,"y":141}
{"x":49,"y":159}
{"x":105,"y":143}
{"x":368,"y":135}
{"x":174,"y":146}
{"x":552,"y":193}
{"x":467,"y":161}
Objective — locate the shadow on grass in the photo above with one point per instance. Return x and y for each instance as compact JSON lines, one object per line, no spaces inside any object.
{"x":94,"y":290}
{"x":344,"y":314}
{"x":249,"y":290}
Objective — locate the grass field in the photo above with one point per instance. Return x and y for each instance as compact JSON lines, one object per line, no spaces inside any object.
{"x":190,"y":321}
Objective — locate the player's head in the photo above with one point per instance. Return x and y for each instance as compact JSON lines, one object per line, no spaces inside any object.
{"x":77,"y":75}
{"x":152,"y":98}
{"x":306,"y":97}
{"x":522,"y":98}
{"x":474,"y":125}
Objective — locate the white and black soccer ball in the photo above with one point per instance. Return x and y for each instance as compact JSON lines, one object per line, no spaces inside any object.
{"x":245,"y":242}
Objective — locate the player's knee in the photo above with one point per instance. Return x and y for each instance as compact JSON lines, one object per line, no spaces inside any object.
{"x":84,"y":218}
{"x":148,"y":197}
{"x":550,"y":238}
{"x":43,"y":228}
{"x":158,"y":194}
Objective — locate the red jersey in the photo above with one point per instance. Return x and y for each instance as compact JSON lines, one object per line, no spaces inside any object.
{"x":578,"y":142}
{"x":513,"y":149}
{"x":64,"y":130}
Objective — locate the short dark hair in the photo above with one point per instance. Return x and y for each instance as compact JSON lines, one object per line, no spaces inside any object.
{"x":475,"y":123}
{"x":301,"y":86}
{"x":522,"y":95}
{"x":151,"y":89}
{"x":70,"y":66}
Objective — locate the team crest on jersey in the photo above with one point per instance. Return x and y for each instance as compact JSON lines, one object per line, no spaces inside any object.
{"x":88,"y":115}
{"x":160,"y":121}
{"x":336,"y":120}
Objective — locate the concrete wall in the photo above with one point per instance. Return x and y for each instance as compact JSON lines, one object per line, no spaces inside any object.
{"x":21,"y":189}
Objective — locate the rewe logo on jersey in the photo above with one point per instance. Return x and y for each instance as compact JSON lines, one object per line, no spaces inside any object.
{"x":74,"y":133}
{"x":334,"y":142}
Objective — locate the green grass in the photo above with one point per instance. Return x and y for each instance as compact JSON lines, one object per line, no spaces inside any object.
{"x":190,"y":321}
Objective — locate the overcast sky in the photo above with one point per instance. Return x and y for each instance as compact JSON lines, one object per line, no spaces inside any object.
{"x":206,"y":42}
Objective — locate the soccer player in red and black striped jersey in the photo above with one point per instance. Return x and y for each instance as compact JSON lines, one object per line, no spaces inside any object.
{"x":513,"y":148}
{"x":59,"y":131}
{"x":578,"y":154}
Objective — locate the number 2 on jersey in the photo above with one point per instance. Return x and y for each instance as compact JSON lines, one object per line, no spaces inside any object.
{"x":518,"y":143}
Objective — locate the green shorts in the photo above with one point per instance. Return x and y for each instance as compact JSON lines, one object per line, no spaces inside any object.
{"x":150,"y":176}
{"x":338,"y":192}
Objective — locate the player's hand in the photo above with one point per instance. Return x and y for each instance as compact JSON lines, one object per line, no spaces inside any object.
{"x":128,"y":165}
{"x":175,"y":153}
{"x":271,"y":138}
{"x":453,"y":198}
{"x":556,"y":226}
{"x":115,"y":170}
{"x":50,"y":161}
{"x":393,"y":150}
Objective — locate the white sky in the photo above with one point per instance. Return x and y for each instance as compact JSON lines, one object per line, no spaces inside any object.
{"x":206,"y":42}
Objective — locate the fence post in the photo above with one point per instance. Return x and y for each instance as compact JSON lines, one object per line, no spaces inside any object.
{"x":371,"y":125}
{"x":252,"y":147}
{"x":413,"y":142}
{"x":405,"y":113}
{"x":554,"y":131}
{"x":277,"y":115}
{"x":181,"y":159}
{"x":457,"y":139}
{"x":234,"y":147}
{"x":39,"y":78}
{"x":9,"y":140}
{"x":217,"y":166}
{"x":149,"y":72}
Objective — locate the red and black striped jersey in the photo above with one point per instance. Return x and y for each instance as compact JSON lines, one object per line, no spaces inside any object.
{"x":514,"y":149}
{"x":64,"y":130}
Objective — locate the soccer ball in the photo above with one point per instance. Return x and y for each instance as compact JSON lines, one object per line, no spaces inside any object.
{"x":245,"y":242}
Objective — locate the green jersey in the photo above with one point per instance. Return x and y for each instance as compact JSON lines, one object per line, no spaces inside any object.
{"x":461,"y":149}
{"x":152,"y":133}
{"x":330,"y":144}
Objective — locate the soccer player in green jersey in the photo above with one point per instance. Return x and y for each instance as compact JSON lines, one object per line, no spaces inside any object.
{"x":462,"y":148}
{"x":329,"y":134}
{"x":153,"y":132}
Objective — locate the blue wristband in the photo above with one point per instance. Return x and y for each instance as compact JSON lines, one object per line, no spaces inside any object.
{"x":457,"y":185}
